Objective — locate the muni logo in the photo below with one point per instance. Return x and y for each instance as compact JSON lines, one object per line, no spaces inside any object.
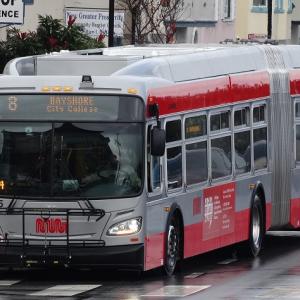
{"x":50,"y":225}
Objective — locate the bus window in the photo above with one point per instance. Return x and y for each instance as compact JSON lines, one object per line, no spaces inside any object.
{"x":220,"y":121}
{"x":298,"y":143}
{"x":94,"y":160}
{"x":259,"y":113}
{"x":196,"y":163}
{"x":297,"y":110}
{"x":174,"y":166}
{"x":242,"y":152}
{"x":241,"y":117}
{"x":173,"y":131}
{"x":242,"y":145}
{"x":153,"y":167}
{"x":221,"y":157}
{"x":260,"y":148}
{"x":195,"y":126}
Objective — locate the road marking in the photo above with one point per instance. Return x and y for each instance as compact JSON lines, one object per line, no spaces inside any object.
{"x":8,"y":282}
{"x":177,"y":291}
{"x":284,"y":233}
{"x":66,"y":290}
{"x":193,"y":275}
{"x":227,"y":261}
{"x":281,"y":293}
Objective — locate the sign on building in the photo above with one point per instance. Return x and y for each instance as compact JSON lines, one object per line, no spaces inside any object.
{"x":11,"y":12}
{"x":94,"y":22}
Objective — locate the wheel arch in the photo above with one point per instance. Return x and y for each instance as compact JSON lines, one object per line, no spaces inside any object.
{"x":175,"y":210}
{"x":260,"y":192}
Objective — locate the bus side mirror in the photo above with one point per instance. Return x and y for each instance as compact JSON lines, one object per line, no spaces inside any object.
{"x":158,"y":141}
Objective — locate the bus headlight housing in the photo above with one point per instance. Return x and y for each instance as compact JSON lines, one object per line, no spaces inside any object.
{"x":126,"y":227}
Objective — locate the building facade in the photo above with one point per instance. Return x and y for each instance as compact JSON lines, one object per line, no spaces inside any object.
{"x":204,"y":21}
{"x":84,"y":10}
{"x":252,"y":20}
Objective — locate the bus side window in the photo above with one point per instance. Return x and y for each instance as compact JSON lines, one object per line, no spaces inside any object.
{"x":220,"y":121}
{"x":242,"y":138}
{"x":153,"y":167}
{"x":174,"y":154}
{"x":297,"y":120}
{"x":221,"y":157}
{"x":298,"y":143}
{"x":260,"y":137}
{"x":196,"y":150}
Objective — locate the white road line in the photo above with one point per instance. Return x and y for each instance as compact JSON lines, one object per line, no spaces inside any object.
{"x":284,"y":233}
{"x":193,"y":275}
{"x":8,"y":282}
{"x":177,"y":291}
{"x":66,"y":290}
{"x":227,"y":261}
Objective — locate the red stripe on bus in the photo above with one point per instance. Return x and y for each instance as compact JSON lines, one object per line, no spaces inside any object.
{"x":210,"y":92}
{"x":295,"y":213}
{"x":295,"y":82}
{"x":154,"y":251}
{"x":193,"y":238}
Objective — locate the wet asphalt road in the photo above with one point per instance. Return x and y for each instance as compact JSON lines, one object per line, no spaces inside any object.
{"x":217,"y":275}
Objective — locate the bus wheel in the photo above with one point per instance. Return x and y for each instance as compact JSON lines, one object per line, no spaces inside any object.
{"x":172,"y":246}
{"x":257,"y":231}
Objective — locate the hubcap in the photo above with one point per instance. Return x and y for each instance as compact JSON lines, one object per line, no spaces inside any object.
{"x":172,"y":246}
{"x":256,"y":227}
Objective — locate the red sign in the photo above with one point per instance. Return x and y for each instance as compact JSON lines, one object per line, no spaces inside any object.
{"x":219,"y":211}
{"x":50,"y":225}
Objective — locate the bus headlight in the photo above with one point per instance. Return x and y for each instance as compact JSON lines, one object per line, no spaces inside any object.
{"x":126,"y":227}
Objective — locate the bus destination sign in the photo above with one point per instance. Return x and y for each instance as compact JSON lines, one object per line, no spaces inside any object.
{"x":72,"y":104}
{"x":59,"y":107}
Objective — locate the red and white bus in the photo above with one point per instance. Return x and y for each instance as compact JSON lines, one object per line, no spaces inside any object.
{"x":143,"y":156}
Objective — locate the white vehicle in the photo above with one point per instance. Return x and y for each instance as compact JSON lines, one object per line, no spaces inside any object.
{"x":138,"y":157}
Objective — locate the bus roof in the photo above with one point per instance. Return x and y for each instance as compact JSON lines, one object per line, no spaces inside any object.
{"x":139,"y":68}
{"x":175,"y":63}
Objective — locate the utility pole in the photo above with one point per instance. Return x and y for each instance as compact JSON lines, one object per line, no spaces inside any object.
{"x":269,"y":19}
{"x":111,"y":19}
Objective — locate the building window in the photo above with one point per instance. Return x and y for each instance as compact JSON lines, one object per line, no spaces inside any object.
{"x":279,"y":7}
{"x":259,"y":2}
{"x":27,"y":2}
{"x":291,"y":6}
{"x":259,"y":6}
{"x":227,"y":9}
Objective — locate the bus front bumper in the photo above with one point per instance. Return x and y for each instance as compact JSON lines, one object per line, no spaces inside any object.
{"x":121,"y":257}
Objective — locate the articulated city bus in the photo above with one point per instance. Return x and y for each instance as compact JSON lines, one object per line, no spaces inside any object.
{"x":142,"y":156}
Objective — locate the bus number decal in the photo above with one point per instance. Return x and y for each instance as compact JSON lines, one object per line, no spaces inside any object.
{"x":219,"y":211}
{"x":12,"y":103}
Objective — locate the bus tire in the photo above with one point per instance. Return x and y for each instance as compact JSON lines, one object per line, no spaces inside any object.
{"x":256,"y":231}
{"x":173,"y":240}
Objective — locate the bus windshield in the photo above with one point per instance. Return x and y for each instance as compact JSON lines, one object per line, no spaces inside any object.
{"x":90,"y":160}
